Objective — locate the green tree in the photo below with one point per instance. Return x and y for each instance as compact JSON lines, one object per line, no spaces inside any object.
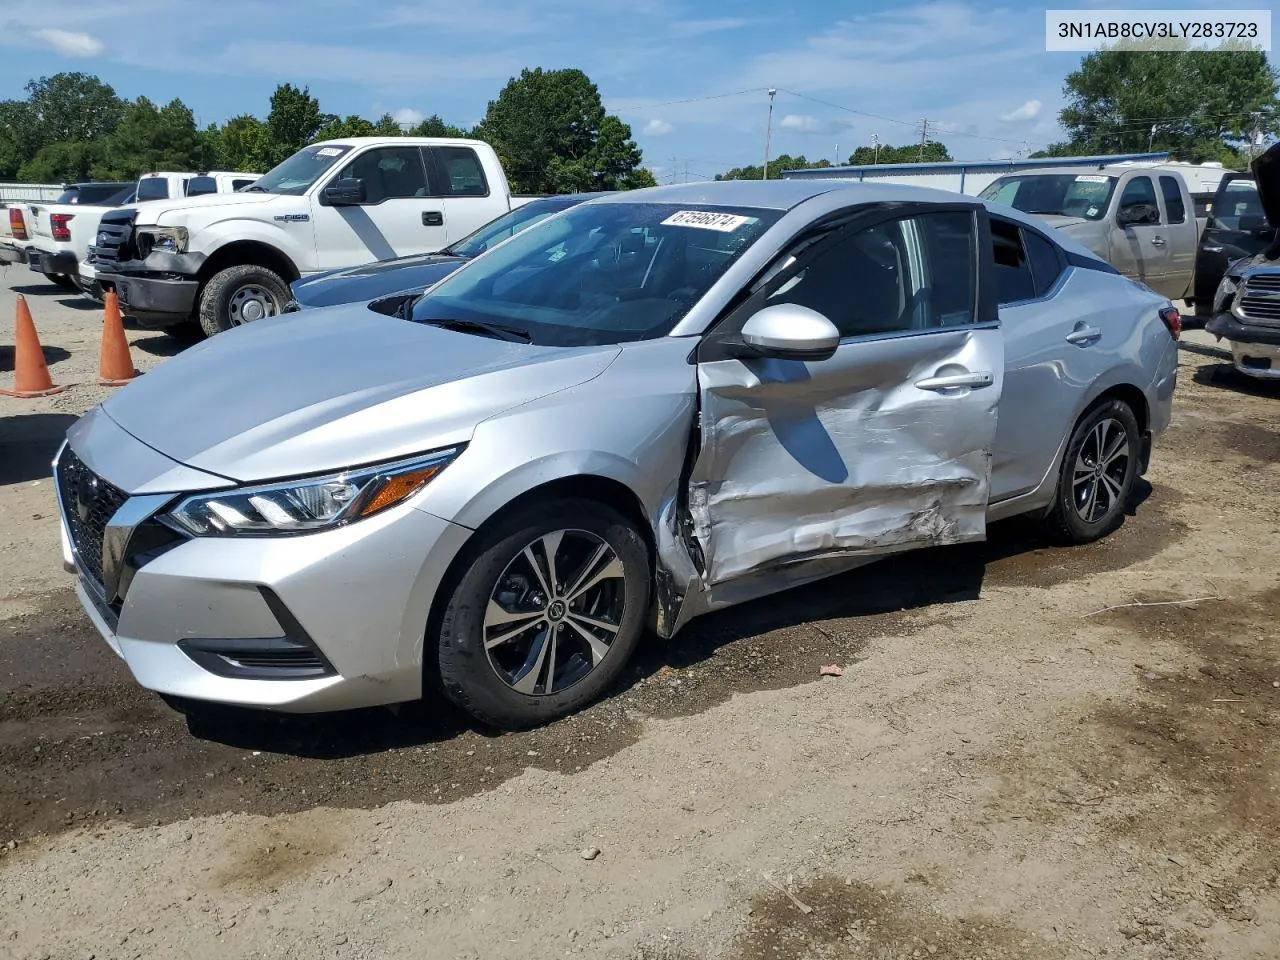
{"x":934,"y":152}
{"x":387,"y":126}
{"x":244,"y":144}
{"x":17,"y":141}
{"x":61,"y":163}
{"x":1193,"y":104}
{"x":151,"y":138}
{"x":776,"y":166}
{"x":294,"y":120}
{"x":350,"y":126}
{"x":638,"y":178}
{"x":72,"y":108}
{"x":433,"y":126}
{"x":553,"y":135}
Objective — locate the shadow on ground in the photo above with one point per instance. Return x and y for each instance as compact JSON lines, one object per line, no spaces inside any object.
{"x":1224,"y":376}
{"x":28,"y":443}
{"x":51,"y":355}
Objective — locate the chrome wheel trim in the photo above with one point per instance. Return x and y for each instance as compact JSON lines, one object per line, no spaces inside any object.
{"x":251,"y":302}
{"x":1097,"y":480}
{"x":554,"y":612}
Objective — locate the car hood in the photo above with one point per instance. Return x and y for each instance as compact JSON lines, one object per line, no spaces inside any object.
{"x":372,"y":280}
{"x":150,"y":211}
{"x":334,"y":388}
{"x":1266,"y":173}
{"x":1058,"y":221}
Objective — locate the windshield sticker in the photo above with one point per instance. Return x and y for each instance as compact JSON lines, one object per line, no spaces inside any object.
{"x":1091,"y":212}
{"x":1090,"y":178}
{"x":329,"y":152}
{"x":722,"y":222}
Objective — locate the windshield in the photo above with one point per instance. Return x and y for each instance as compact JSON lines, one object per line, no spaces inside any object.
{"x":600,"y":273}
{"x":300,"y":171}
{"x":1056,"y":194}
{"x":507,"y":225}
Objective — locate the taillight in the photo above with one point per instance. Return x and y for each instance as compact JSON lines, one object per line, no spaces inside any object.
{"x":17,"y":225}
{"x":1172,"y":320}
{"x":59,"y":221}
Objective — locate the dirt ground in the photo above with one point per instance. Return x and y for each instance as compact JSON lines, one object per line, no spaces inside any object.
{"x":1033,"y":753}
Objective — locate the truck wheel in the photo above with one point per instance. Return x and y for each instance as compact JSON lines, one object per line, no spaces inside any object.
{"x":240,"y":295}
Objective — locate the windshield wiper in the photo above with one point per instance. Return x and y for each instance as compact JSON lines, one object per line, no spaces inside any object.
{"x":495,"y":330}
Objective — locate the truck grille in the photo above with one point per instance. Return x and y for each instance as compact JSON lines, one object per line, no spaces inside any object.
{"x":1259,"y":302}
{"x":1265,"y":281}
{"x":88,"y":504}
{"x":114,"y":241}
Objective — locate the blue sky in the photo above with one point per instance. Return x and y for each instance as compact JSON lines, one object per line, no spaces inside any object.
{"x":979,"y":73}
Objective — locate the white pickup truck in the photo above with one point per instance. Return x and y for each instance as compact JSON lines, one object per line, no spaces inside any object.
{"x":62,"y":232}
{"x":227,"y":260}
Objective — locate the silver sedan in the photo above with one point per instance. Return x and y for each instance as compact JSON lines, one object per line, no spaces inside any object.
{"x":645,"y":408}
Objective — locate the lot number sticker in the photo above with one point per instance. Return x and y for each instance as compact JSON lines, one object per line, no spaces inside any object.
{"x":1090,"y":178}
{"x":723,"y":222}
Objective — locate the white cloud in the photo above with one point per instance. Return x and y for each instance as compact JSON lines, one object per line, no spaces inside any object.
{"x":800,"y":121}
{"x":656,"y":128}
{"x":407,"y":116}
{"x":696,"y":28}
{"x":1028,"y":111}
{"x":69,"y":43}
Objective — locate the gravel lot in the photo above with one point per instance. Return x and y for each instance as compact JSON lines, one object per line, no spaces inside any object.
{"x":1007,"y":768}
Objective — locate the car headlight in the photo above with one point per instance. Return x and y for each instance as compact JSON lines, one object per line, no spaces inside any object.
{"x":305,"y":506}
{"x":162,"y":240}
{"x":1226,"y":292}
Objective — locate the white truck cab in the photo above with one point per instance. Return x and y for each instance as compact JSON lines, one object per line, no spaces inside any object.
{"x":228,"y":259}
{"x":166,"y":186}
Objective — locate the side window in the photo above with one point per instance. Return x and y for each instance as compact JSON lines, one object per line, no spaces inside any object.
{"x":1013,"y":272}
{"x":153,"y":188}
{"x":460,"y":173}
{"x":1046,"y":264}
{"x":1174,"y":208}
{"x":1138,"y":202}
{"x":389,"y":173}
{"x":240,"y":184}
{"x":197,"y":186}
{"x":916,"y":273}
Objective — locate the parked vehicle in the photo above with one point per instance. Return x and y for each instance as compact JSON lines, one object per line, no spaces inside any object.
{"x":62,"y":231}
{"x":1237,"y":228}
{"x":152,"y":187}
{"x":1139,"y":219}
{"x":1246,"y":307}
{"x":14,"y":237}
{"x":226,"y":260}
{"x":650,"y":406}
{"x":394,"y":282}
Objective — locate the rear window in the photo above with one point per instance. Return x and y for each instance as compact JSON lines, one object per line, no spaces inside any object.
{"x":153,"y":188}
{"x":241,"y":184}
{"x":93,"y":193}
{"x":198,"y":186}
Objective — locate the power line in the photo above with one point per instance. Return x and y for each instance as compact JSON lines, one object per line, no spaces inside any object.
{"x":710,"y":96}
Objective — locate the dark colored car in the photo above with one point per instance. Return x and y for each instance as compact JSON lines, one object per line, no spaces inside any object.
{"x":1246,"y":307}
{"x":98,"y":194}
{"x":389,"y":281}
{"x":1237,"y":227}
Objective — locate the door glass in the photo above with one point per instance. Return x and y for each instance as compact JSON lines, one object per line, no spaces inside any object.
{"x":463,"y":173}
{"x":389,"y":173}
{"x":910,"y":274}
{"x":1013,"y":272}
{"x":1174,"y":208}
{"x":1239,"y":198}
{"x":1046,"y":265}
{"x":240,"y":184}
{"x":1138,"y":202}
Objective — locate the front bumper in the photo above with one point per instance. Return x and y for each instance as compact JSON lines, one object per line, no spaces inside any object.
{"x":1255,"y":351}
{"x":51,"y":262}
{"x":228,"y":620}
{"x":89,"y":280}
{"x":156,"y":294}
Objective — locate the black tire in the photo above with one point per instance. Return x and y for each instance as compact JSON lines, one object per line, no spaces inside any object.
{"x":470,"y":675}
{"x":1075,"y":517}
{"x":218,"y":311}
{"x":63,"y":281}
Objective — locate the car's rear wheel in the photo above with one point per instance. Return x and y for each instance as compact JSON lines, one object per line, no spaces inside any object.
{"x":545,"y":614}
{"x":239,"y":295}
{"x":1098,"y":473}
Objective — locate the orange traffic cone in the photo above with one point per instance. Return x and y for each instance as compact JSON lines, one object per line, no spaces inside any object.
{"x":115,"y":366}
{"x":30,"y":372}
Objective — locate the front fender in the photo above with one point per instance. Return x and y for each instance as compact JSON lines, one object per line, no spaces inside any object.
{"x":294,"y":239}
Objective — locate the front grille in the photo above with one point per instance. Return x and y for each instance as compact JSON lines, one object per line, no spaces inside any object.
{"x":1260,"y":309}
{"x":88,"y":503}
{"x":277,"y":658}
{"x":114,"y":242}
{"x":1265,"y":281}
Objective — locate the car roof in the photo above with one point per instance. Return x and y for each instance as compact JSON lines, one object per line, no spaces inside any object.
{"x":783,"y":194}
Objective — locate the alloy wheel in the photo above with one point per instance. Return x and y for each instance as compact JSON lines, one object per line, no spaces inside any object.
{"x":1098,"y":481}
{"x":554,"y":612}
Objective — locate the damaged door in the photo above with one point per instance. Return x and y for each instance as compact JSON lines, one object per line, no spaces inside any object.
{"x":885,"y":444}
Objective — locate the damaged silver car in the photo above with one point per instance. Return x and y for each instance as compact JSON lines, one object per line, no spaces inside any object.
{"x":648,"y":407}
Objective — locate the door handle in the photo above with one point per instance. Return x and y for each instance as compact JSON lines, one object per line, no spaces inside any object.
{"x":1157,"y":241}
{"x":432,"y":218}
{"x":1082,"y":336}
{"x":955,"y":381}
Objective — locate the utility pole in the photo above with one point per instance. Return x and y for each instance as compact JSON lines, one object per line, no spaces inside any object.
{"x":768,"y":129}
{"x":1151,"y":137}
{"x":875,"y":143}
{"x":835,"y":161}
{"x":924,"y":136}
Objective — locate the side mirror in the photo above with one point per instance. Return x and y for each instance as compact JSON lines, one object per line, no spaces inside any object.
{"x":345,"y":193}
{"x":788,"y":331}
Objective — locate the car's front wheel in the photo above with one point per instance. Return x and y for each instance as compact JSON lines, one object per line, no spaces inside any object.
{"x":239,"y":295}
{"x":545,"y":614}
{"x":1099,"y":469}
